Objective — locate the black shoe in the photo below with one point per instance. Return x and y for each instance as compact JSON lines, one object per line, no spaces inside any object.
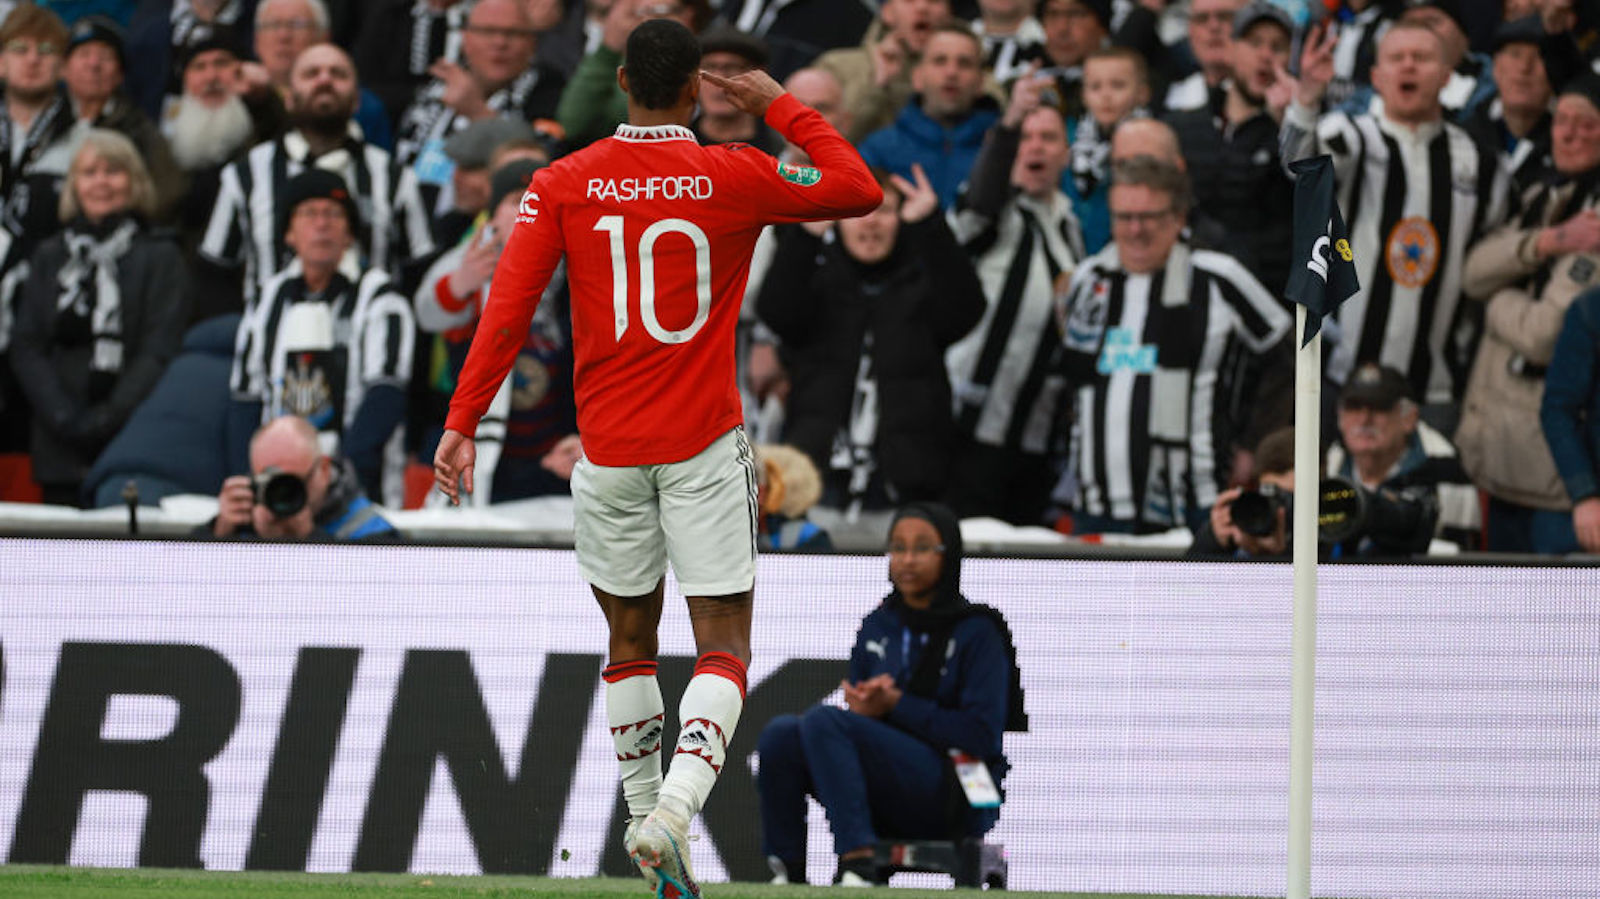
{"x":857,"y":872}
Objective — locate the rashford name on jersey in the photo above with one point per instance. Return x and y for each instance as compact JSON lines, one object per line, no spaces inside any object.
{"x":667,"y":187}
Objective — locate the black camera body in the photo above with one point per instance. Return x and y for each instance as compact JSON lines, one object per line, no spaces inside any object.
{"x":282,"y":493}
{"x":1255,"y":511}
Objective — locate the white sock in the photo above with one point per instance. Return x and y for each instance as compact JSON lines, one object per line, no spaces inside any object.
{"x":635,"y":711}
{"x":709,"y":712}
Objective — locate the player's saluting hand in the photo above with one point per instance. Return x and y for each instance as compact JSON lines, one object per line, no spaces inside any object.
{"x":751,"y":91}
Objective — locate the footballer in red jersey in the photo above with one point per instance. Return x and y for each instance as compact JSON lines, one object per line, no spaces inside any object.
{"x":657,"y":232}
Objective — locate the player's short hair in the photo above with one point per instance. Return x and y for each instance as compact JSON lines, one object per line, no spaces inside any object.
{"x":661,"y":57}
{"x":1141,"y":69}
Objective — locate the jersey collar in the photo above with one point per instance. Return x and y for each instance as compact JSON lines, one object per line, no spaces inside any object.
{"x":654,"y":133}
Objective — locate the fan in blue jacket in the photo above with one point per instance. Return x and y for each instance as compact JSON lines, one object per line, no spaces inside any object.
{"x":942,"y":127}
{"x":930,"y":672}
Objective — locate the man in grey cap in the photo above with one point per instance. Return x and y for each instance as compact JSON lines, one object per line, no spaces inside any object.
{"x":1384,"y":446}
{"x":468,"y":194}
{"x":1231,"y":146}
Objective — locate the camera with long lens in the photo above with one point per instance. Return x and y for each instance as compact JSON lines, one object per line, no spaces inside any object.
{"x":1388,"y":521}
{"x":282,"y":493}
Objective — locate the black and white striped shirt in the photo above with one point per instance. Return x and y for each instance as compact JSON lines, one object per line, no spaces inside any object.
{"x":1413,"y":201}
{"x":364,"y":315}
{"x":1006,"y":388}
{"x":1356,"y":50}
{"x":1157,"y":361}
{"x":244,"y":228}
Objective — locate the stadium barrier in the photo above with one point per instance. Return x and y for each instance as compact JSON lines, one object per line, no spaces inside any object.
{"x":326,"y":708}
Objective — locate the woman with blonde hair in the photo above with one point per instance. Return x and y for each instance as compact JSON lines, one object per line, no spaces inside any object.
{"x":99,"y":314}
{"x":788,"y":486}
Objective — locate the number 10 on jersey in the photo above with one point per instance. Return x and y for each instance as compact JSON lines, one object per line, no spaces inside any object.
{"x":612,"y":226}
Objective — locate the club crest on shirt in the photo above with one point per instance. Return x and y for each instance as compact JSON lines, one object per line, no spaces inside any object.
{"x":1413,"y":252}
{"x":803,"y":175}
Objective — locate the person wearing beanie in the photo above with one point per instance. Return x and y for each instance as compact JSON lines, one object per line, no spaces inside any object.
{"x":1528,"y":272}
{"x":159,"y":38}
{"x":729,"y":52}
{"x":328,"y":340}
{"x":92,"y":74}
{"x":532,"y":421}
{"x":930,"y":673}
{"x":1516,"y":120}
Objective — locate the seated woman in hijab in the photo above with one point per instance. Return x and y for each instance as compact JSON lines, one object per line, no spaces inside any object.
{"x":930,"y":673}
{"x":100,"y":313}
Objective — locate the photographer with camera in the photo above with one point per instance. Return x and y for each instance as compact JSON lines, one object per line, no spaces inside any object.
{"x":1254,"y":523}
{"x":295,"y":492}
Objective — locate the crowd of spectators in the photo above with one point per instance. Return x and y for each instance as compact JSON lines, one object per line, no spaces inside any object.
{"x":1068,"y":311}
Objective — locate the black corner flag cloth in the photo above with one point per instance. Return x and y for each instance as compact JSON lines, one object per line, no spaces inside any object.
{"x":1323,"y":273}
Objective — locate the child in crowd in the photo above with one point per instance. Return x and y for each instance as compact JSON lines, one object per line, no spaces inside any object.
{"x":1116,"y":87}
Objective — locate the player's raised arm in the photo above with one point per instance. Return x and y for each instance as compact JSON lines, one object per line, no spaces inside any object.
{"x":836,"y":185}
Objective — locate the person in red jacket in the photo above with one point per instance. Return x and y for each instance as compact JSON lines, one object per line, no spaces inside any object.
{"x":657,"y":233}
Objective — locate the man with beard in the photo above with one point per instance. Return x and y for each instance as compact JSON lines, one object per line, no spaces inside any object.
{"x":158,"y":32}
{"x":93,"y":75}
{"x":1231,"y":146}
{"x":209,"y":125}
{"x":393,"y":225}
{"x":498,"y":76}
{"x":284,"y":29}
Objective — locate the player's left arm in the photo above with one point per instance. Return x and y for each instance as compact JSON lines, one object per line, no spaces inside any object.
{"x":837,"y":185}
{"x":529,"y":260}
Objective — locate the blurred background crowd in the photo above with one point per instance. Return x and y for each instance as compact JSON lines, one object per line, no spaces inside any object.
{"x":1068,"y":312}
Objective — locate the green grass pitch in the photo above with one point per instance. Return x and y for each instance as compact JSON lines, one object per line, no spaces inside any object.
{"x":46,"y":882}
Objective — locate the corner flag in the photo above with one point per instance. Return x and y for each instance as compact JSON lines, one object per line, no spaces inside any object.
{"x":1323,"y":273}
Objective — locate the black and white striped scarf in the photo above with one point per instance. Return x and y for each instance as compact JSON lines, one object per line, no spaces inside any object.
{"x":184,"y":18}
{"x":429,"y":118}
{"x":436,"y":33}
{"x":89,"y":306}
{"x":1091,"y":151}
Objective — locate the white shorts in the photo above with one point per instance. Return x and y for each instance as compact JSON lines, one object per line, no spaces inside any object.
{"x":699,"y":513}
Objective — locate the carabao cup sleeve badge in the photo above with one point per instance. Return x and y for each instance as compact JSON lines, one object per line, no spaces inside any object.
{"x":803,"y":175}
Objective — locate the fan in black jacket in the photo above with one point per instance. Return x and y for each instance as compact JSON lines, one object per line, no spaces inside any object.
{"x":865,"y":313}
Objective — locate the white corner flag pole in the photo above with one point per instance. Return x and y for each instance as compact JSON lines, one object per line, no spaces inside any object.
{"x":1302,"y":683}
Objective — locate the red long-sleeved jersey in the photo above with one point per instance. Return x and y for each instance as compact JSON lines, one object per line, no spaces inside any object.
{"x":657,"y":231}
